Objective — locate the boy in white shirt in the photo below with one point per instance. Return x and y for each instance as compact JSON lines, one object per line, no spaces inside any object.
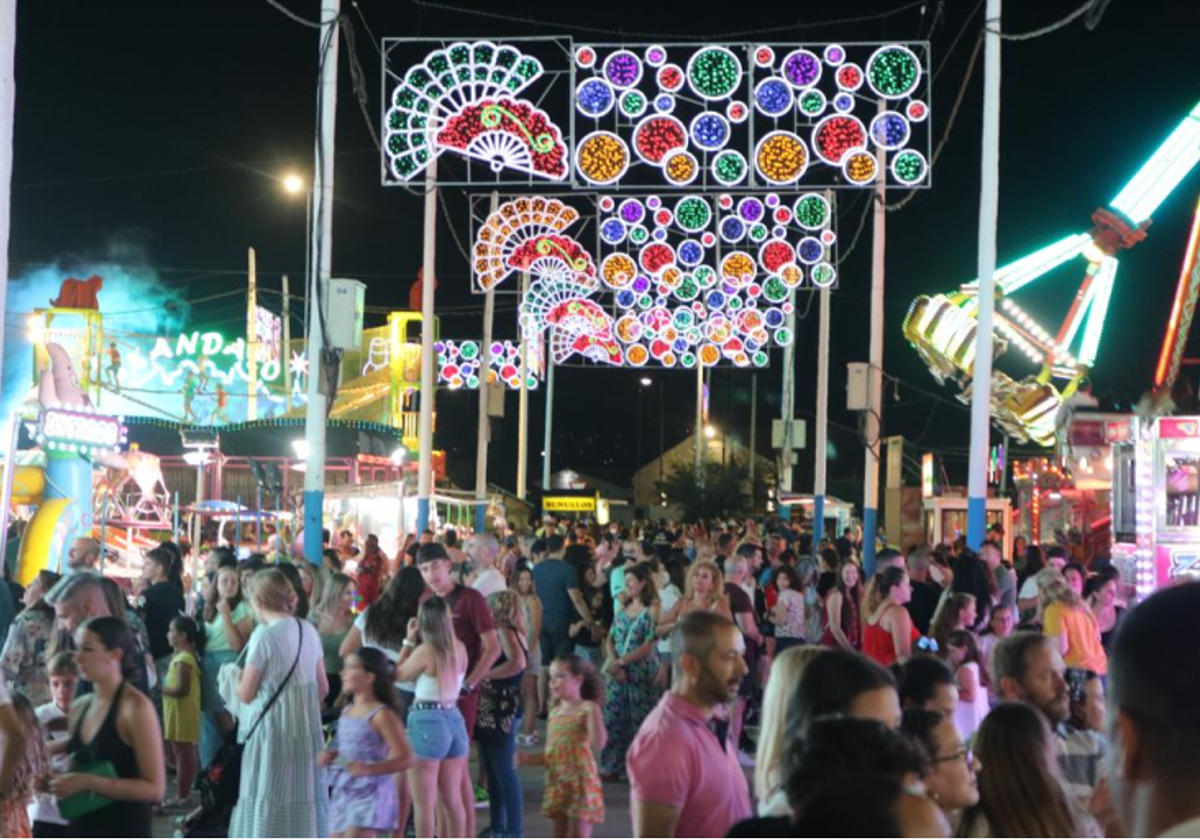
{"x":64,"y":674}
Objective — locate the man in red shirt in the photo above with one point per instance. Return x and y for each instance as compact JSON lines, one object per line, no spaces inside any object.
{"x":685,"y":780}
{"x":371,"y":570}
{"x":474,"y":627}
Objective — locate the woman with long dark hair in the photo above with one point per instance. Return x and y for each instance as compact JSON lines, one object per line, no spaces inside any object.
{"x":1020,"y":789}
{"x":115,"y":724}
{"x":630,"y":665}
{"x":842,"y":626}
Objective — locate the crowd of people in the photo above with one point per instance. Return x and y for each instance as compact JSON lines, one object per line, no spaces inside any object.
{"x":740,"y":680}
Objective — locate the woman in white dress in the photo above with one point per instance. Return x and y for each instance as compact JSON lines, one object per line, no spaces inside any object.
{"x":283,"y":792}
{"x":971,"y":676}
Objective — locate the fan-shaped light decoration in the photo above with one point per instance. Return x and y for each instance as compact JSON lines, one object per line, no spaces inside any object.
{"x":525,"y":235}
{"x":582,"y":327}
{"x":464,"y":97}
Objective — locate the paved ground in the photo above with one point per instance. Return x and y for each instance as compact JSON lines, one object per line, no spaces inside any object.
{"x":616,"y":801}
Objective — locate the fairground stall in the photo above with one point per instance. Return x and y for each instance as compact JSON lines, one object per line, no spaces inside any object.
{"x":1157,"y":502}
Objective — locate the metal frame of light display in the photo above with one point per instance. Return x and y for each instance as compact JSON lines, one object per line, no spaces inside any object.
{"x":459,"y":364}
{"x":750,"y":116}
{"x":679,"y":278}
{"x":485,"y":103}
{"x":942,"y":327}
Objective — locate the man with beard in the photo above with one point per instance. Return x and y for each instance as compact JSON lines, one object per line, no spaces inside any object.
{"x":685,"y":779}
{"x":1028,"y":669}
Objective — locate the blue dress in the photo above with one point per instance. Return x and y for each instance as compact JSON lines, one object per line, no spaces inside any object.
{"x":361,"y":801}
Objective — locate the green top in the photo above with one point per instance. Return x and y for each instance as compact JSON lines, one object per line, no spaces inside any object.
{"x":332,"y":643}
{"x":215,"y":629}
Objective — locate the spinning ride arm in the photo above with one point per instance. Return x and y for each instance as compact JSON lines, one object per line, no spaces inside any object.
{"x":942,"y":328}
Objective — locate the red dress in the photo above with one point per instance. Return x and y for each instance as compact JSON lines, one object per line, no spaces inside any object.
{"x":878,"y":645}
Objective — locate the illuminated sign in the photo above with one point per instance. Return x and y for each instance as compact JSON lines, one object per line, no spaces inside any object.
{"x":79,"y":430}
{"x":1178,"y":427}
{"x":569,"y":504}
{"x":268,"y":332}
{"x":927,"y":475}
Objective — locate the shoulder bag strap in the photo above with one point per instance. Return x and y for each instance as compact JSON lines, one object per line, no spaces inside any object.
{"x":282,"y":685}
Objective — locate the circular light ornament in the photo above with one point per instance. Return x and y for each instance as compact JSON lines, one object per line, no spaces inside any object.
{"x":917,"y":111}
{"x":890,"y":130}
{"x":834,"y":54}
{"x":631,"y":211}
{"x":594,"y":98}
{"x":671,"y":78}
{"x":737,"y":269}
{"x":656,"y":54}
{"x":617,"y":271}
{"x":811,"y":103}
{"x":612,"y":231}
{"x":656,"y":136}
{"x":714,"y":73}
{"x":729,"y":168}
{"x":585,"y":57}
{"x":909,"y":167}
{"x":836,"y":135}
{"x":823,"y":275}
{"x":801,"y":68}
{"x":680,"y":168}
{"x":773,"y":97}
{"x":709,"y":131}
{"x":850,"y":77}
{"x":633,"y":103}
{"x":623,"y":69}
{"x":693,"y":214}
{"x":602,"y":157}
{"x":781,"y":157}
{"x":811,"y":211}
{"x":860,"y":167}
{"x":775,"y":254}
{"x":810,"y":251}
{"x":893,"y":72}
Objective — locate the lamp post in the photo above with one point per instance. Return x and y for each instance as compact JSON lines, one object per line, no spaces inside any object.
{"x":293,"y":184}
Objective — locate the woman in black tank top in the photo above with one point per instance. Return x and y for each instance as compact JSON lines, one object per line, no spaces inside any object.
{"x":107,"y":657}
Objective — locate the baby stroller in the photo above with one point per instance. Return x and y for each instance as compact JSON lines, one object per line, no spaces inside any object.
{"x":218,"y":785}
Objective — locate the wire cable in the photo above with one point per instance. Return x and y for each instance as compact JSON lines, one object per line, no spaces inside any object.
{"x":315,"y":24}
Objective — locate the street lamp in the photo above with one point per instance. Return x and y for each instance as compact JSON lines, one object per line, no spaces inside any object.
{"x":710,"y":432}
{"x":293,"y":183}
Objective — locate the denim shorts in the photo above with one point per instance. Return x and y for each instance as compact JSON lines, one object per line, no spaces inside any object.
{"x":437,"y":734}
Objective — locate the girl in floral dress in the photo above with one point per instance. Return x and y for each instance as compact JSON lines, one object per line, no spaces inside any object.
{"x":574,"y":798}
{"x":631,"y":665}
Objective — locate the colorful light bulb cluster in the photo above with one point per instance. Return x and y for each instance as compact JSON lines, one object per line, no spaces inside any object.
{"x":753,"y":116}
{"x":460,"y":364}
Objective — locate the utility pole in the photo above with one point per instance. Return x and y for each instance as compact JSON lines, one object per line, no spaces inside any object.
{"x":787,"y":406}
{"x":546,"y":440}
{"x":483,"y":427}
{"x":428,"y":282}
{"x":285,"y":352}
{"x":753,"y":428}
{"x":989,"y":199}
{"x":822,"y":436}
{"x":252,"y":340}
{"x":523,"y":403}
{"x":321,"y":236}
{"x":874,"y":424}
{"x":8,"y":100}
{"x":699,"y":455}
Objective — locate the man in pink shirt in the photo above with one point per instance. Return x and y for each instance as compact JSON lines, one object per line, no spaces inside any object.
{"x":685,"y":779}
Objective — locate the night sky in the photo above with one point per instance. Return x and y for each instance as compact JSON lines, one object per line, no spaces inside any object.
{"x":155,"y":133}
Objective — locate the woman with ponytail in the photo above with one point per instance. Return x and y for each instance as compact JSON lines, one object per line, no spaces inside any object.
{"x":115,"y":748}
{"x":283,"y":792}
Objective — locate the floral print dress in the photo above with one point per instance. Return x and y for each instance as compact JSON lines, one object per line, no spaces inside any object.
{"x":627,"y":704}
{"x":24,"y":656}
{"x":573,"y":786}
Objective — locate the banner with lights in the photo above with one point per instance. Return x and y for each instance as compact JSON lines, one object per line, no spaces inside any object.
{"x":676,"y":281}
{"x":79,"y":430}
{"x":460,"y":363}
{"x":483,"y":109}
{"x":537,"y":111}
{"x":649,"y":116}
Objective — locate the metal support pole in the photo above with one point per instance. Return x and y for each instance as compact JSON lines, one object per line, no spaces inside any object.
{"x":317,"y":409}
{"x":10,"y":472}
{"x":258,"y":522}
{"x":699,"y":455}
{"x":103,"y":534}
{"x":252,"y":339}
{"x":787,"y":405}
{"x":548,"y":435}
{"x":428,"y":281}
{"x":822,"y":436}
{"x":753,"y":430}
{"x":874,"y":424}
{"x":989,"y":194}
{"x":662,"y":449}
{"x":523,"y":405}
{"x":483,"y":428}
{"x":8,"y":99}
{"x":285,"y":352}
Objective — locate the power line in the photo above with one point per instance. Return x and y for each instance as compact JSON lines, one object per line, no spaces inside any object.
{"x":1094,"y":7}
{"x":315,"y":24}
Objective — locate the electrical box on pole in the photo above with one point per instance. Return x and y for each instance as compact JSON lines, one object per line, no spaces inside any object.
{"x":858,"y":386}
{"x":344,"y":321}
